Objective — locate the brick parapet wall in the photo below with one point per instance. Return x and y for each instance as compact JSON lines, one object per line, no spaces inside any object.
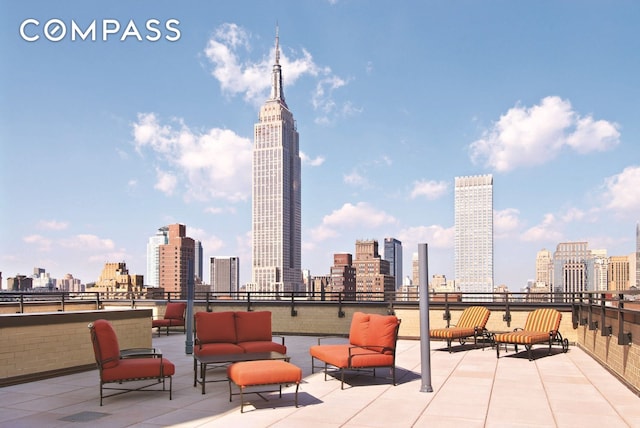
{"x":621,"y":360}
{"x":47,"y":344}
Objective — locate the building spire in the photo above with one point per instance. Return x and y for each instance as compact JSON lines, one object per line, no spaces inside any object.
{"x":277,"y":91}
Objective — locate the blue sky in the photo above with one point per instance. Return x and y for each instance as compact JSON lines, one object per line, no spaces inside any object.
{"x":103,"y":142}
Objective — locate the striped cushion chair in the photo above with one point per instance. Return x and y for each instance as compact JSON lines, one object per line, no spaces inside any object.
{"x":541,"y":327}
{"x":472,"y":322}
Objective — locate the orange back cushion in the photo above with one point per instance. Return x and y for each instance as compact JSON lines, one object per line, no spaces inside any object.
{"x":106,"y":345}
{"x":175,"y":311}
{"x":253,"y":326}
{"x":359,"y":329}
{"x":215,"y":327}
{"x":474,"y":316}
{"x":543,"y":320}
{"x":382,"y":331}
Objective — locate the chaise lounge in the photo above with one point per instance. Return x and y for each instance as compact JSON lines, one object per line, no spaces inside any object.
{"x":372,"y":344}
{"x":541,"y":326}
{"x":472,"y":323}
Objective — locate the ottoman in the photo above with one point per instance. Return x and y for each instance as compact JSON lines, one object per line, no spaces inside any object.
{"x":262,"y":372}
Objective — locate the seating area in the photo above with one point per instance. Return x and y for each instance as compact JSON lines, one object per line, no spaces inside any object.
{"x":372,"y":344}
{"x":138,"y":366}
{"x":472,"y":323}
{"x":235,"y":333}
{"x":540,"y":327}
{"x":491,"y":389}
{"x":173,"y":317}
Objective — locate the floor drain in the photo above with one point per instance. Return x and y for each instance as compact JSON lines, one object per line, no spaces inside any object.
{"x":84,"y":417}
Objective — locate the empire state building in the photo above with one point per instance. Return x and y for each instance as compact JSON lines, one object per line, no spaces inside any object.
{"x":276,"y":211}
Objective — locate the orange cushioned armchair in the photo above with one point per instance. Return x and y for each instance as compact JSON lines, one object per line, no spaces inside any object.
{"x":541,"y":327}
{"x":143,"y":365}
{"x":372,"y":344}
{"x":472,"y":322}
{"x":173,"y":317}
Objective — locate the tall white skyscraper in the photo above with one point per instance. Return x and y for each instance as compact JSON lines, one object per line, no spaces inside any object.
{"x":153,"y":256}
{"x":474,"y":233}
{"x":276,"y":219}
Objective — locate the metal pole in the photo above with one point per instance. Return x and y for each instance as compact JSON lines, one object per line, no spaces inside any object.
{"x":425,"y":341}
{"x":188,"y":349}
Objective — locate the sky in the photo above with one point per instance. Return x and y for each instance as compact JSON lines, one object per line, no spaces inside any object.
{"x":108,"y":135}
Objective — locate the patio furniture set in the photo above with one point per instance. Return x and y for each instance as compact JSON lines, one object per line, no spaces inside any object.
{"x":243,"y":343}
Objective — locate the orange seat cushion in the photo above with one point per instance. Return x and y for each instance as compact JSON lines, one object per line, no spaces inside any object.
{"x":263,"y":372}
{"x":263,"y":346}
{"x":217,"y":349}
{"x":522,"y":337}
{"x":338,"y":356}
{"x":451,"y":333}
{"x":139,"y":368}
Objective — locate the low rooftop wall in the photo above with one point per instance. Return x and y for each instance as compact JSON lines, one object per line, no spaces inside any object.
{"x":40,"y":345}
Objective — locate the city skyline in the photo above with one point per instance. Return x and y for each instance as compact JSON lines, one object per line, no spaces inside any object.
{"x":105,"y":141}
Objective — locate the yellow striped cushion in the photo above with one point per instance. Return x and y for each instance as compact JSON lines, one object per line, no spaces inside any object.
{"x":451,"y":333}
{"x":474,"y":316}
{"x":522,"y":337}
{"x":543,"y":320}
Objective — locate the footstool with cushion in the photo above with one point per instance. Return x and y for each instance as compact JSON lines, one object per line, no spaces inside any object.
{"x":262,"y":372}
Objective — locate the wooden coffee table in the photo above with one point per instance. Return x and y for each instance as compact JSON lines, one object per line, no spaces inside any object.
{"x":222,"y":360}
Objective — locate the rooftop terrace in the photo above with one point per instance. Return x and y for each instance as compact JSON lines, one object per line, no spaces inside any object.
{"x":471,"y":388}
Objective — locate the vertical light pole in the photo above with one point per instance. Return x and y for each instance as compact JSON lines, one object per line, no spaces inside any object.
{"x":188,"y":349}
{"x":425,"y":341}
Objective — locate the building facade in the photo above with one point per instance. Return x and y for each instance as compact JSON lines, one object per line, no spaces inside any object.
{"x":474,"y":233}
{"x":544,"y":270}
{"x":372,"y":272}
{"x":177,"y":260}
{"x":393,"y":254}
{"x":619,"y":273}
{"x":153,"y":256}
{"x":198,"y":269}
{"x":343,"y":276}
{"x":276,"y":181}
{"x":224,"y":275}
{"x":573,"y":268}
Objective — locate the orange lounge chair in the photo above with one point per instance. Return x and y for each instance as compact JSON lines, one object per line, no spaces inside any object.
{"x":472,"y":322}
{"x":372,"y":344}
{"x":173,"y":317}
{"x":541,"y":327}
{"x":141,"y":365}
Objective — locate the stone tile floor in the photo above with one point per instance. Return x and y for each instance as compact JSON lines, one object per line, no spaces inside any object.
{"x":471,"y":388}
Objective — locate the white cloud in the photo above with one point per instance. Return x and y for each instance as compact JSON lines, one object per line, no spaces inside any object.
{"x":547,"y":231}
{"x":87,"y":242}
{"x":359,"y":216}
{"x":212,"y":165}
{"x":306,"y":160}
{"x":231,"y":43}
{"x":622,"y":192}
{"x":52,"y":225}
{"x":435,"y":236}
{"x":355,"y":179}
{"x":533,"y":136}
{"x":165,"y":182}
{"x":430,"y":189}
{"x":209,"y":242}
{"x":505,"y":222}
{"x":42,"y":243}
